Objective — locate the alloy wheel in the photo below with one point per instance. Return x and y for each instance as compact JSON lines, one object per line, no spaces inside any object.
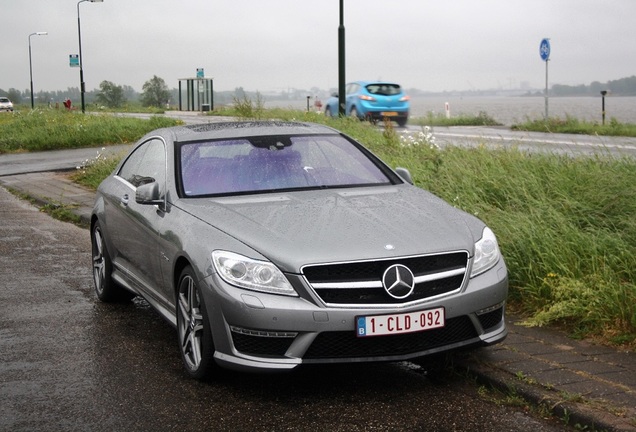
{"x":99,"y":261}
{"x":190,"y":323}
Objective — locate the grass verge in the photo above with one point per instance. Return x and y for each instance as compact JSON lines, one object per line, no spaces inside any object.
{"x":40,"y":130}
{"x":439,"y":119}
{"x":572,"y":125}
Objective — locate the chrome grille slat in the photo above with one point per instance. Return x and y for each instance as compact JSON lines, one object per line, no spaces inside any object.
{"x":359,"y":283}
{"x":378,"y":284}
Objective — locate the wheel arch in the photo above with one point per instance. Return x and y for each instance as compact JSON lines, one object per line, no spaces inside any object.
{"x":181,"y":263}
{"x":94,"y":219}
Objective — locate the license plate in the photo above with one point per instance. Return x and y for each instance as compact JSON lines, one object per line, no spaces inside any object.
{"x":377,"y":325}
{"x":389,"y":113}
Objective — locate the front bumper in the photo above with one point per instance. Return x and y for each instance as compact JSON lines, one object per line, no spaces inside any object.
{"x":257,"y":331}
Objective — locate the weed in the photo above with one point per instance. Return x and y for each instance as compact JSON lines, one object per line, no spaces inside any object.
{"x":62,"y":212}
{"x":246,"y":108}
{"x":524,"y":378}
{"x":92,"y":171}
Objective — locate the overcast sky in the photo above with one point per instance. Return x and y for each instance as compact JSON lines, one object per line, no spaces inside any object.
{"x":273,"y":45}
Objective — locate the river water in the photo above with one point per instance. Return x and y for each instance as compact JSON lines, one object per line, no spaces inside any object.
{"x":515,"y":109}
{"x":509,"y":110}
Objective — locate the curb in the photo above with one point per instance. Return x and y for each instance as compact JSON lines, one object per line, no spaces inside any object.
{"x":573,"y":414}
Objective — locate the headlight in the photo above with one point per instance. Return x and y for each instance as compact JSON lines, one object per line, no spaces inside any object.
{"x":486,"y":253}
{"x":251,"y":274}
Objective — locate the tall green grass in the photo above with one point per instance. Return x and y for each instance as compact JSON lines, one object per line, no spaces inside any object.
{"x":566,"y":225}
{"x":439,"y":119}
{"x":39,"y":130}
{"x":572,"y":125}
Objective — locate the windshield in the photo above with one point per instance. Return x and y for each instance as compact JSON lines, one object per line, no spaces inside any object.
{"x":275,"y":163}
{"x":384,"y":89}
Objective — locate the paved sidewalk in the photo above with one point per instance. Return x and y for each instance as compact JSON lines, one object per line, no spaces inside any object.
{"x":53,"y":188}
{"x":590,"y":385}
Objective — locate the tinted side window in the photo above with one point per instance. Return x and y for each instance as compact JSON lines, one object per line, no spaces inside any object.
{"x":145,"y":164}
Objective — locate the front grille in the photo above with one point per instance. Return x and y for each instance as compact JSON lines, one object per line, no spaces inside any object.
{"x":346,"y":344}
{"x":360,"y":283}
{"x":491,"y":319}
{"x":261,"y":346}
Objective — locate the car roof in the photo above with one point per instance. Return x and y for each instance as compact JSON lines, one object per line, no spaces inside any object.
{"x":239,"y":129}
{"x":365,"y":83}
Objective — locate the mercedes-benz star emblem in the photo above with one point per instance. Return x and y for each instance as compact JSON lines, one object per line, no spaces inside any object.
{"x":398,"y":281}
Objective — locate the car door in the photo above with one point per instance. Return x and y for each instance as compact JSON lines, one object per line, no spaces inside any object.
{"x":137,"y":226}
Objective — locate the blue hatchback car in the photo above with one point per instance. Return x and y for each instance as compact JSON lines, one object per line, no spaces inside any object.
{"x":373,"y":100}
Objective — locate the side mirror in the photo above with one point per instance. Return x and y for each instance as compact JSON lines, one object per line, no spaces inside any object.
{"x":334,"y":94}
{"x":149,"y":194}
{"x":404,"y":174}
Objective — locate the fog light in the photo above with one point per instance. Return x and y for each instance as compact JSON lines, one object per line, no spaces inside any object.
{"x":263,"y":333}
{"x":491,"y":308}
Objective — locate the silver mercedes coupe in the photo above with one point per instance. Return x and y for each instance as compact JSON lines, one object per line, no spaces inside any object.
{"x":270,"y":245}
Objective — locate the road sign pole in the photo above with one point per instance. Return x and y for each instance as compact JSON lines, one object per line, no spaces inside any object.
{"x":544,"y":52}
{"x":546,"y":90}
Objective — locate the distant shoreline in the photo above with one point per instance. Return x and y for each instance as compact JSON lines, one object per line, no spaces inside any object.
{"x":509,"y":110}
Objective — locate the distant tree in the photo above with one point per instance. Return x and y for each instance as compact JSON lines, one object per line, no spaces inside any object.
{"x":623,"y":86}
{"x":239,"y":93}
{"x":595,"y":88}
{"x":14,"y":95}
{"x":43,"y":97}
{"x":110,"y":95}
{"x":130,"y":93}
{"x":155,"y":92}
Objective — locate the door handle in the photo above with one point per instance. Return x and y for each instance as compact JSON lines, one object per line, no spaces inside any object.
{"x":124,"y":200}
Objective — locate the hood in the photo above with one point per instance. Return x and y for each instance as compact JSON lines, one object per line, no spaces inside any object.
{"x":310,"y":227}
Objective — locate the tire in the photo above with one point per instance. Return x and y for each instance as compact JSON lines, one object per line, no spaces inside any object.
{"x":193,"y":328}
{"x":106,"y":288}
{"x":402,"y":122}
{"x":353,"y":112}
{"x":328,"y":112}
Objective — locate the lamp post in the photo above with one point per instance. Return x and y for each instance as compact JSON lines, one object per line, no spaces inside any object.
{"x":31,"y":65}
{"x":341,"y":63}
{"x":79,"y":33}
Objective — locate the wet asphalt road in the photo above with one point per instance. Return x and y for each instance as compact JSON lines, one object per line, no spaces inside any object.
{"x":70,"y":363}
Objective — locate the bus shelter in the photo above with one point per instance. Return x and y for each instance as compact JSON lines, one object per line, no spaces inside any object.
{"x":196,"y":94}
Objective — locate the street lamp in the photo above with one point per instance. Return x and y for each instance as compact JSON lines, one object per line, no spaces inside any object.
{"x":341,"y":63}
{"x":30,"y":64}
{"x":79,"y":33}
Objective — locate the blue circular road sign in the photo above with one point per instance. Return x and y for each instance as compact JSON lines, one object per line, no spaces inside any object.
{"x":544,"y":49}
